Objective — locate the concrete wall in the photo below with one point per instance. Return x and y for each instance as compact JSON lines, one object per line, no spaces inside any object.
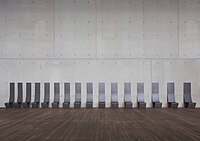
{"x":101,"y":41}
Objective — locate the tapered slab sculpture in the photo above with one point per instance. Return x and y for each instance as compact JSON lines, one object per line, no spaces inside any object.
{"x":127,"y":96}
{"x":12,"y":96}
{"x":114,"y":95}
{"x":77,"y":103}
{"x":66,"y":103}
{"x":171,"y":96}
{"x":56,"y":101}
{"x":27,"y":103}
{"x":155,"y":96}
{"x":45,"y":104}
{"x":101,"y":95}
{"x":36,"y":103}
{"x":89,"y":102}
{"x":187,"y":96}
{"x":18,"y":104}
{"x":140,"y":95}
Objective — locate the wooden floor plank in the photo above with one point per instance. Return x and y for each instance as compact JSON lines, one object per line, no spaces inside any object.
{"x":100,"y":124}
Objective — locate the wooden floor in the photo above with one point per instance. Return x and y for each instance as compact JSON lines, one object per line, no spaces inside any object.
{"x":100,"y":124}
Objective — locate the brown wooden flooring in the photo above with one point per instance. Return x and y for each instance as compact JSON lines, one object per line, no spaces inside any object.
{"x":100,"y":124}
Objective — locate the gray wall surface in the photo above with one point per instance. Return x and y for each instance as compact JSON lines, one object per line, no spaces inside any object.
{"x":101,"y":41}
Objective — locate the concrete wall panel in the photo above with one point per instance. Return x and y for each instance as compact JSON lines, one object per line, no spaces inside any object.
{"x":160,"y":29}
{"x":189,"y":33}
{"x":29,"y":29}
{"x":75,"y":29}
{"x":119,"y":29}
